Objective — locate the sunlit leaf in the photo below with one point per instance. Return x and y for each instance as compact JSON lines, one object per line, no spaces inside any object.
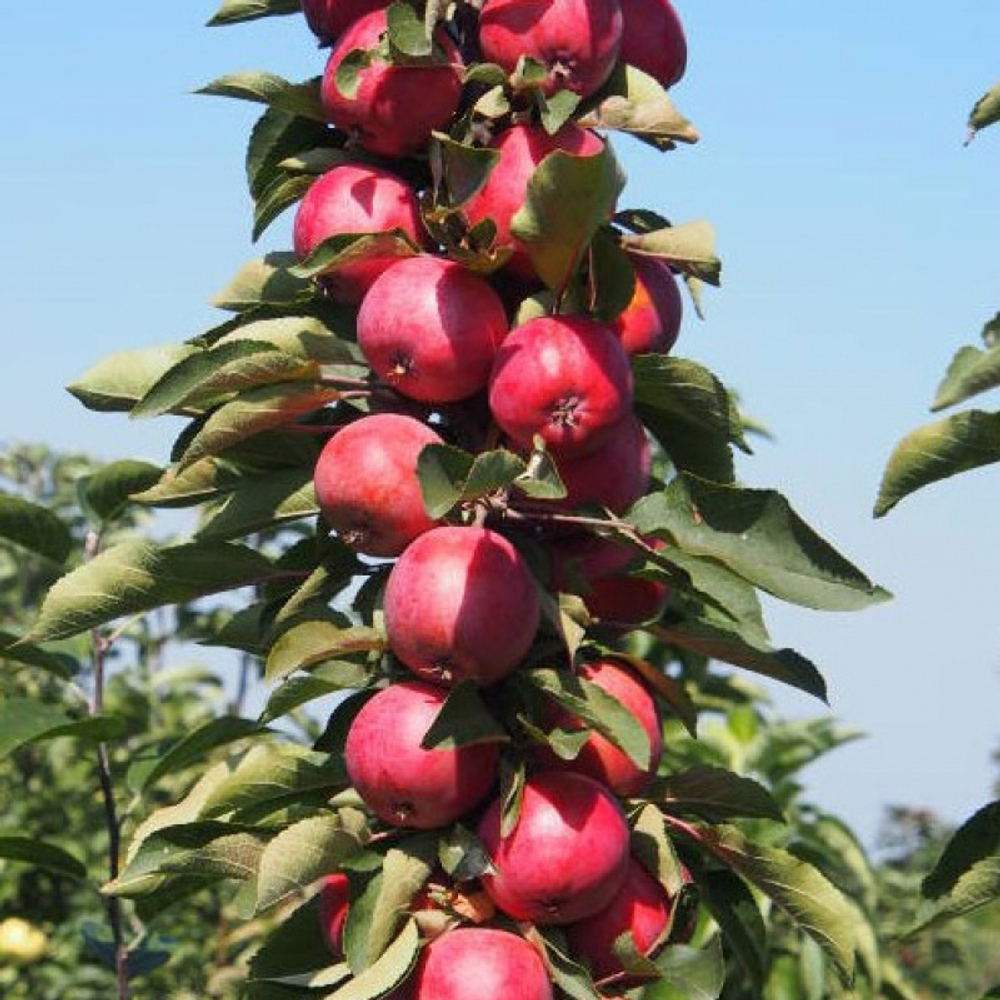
{"x":233,"y":11}
{"x":271,"y":89}
{"x":937,"y":451}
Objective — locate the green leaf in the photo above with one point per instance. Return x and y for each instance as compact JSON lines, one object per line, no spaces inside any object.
{"x":462,"y":854}
{"x":631,"y":101}
{"x":395,"y":964}
{"x":568,"y":199}
{"x":760,"y":537}
{"x":405,"y":870}
{"x":716,"y":794}
{"x":460,"y":169}
{"x":690,"y":247}
{"x":24,"y":721}
{"x":327,"y":678}
{"x":263,"y":408}
{"x":938,"y":451}
{"x":196,"y":745}
{"x":349,"y":248}
{"x":463,"y":720}
{"x":231,"y":366}
{"x":689,"y":973}
{"x":716,"y":642}
{"x":568,"y":975}
{"x":137,"y":576}
{"x":42,"y":854}
{"x":268,"y":775}
{"x":293,"y":947}
{"x":285,"y":190}
{"x":408,"y":34}
{"x":233,"y":11}
{"x":972,"y":371}
{"x":269,"y":88}
{"x":976,"y":839}
{"x":120,"y":380}
{"x":736,"y":912}
{"x":314,"y":642}
{"x":14,"y":649}
{"x":598,"y":709}
{"x":301,"y":854}
{"x":207,"y":849}
{"x":268,"y":280}
{"x":260,"y":502}
{"x":813,"y":903}
{"x":34,"y":528}
{"x":107,"y":492}
{"x":689,"y":411}
{"x":449,"y":476}
{"x":277,"y":137}
{"x":986,"y":111}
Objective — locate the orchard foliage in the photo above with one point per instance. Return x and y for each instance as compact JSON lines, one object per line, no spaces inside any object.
{"x":516,"y":560}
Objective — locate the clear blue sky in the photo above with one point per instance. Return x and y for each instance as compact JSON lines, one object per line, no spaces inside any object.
{"x":859,"y":241}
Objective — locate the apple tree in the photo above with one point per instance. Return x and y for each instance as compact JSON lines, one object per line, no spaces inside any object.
{"x":450,"y":472}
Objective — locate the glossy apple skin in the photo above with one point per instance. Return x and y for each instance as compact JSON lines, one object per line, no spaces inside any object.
{"x":578,"y":41}
{"x":461,"y":603}
{"x":431,"y":328}
{"x":565,"y":378}
{"x":355,"y":198}
{"x":599,"y":758}
{"x":366,"y":483}
{"x":653,"y":40}
{"x":328,"y":19}
{"x":568,"y":855}
{"x":395,"y":107}
{"x":651,"y":322}
{"x":521,"y":149}
{"x":402,"y":783}
{"x":481,"y":962}
{"x":613,"y":475}
{"x":334,"y":902}
{"x":642,"y":907}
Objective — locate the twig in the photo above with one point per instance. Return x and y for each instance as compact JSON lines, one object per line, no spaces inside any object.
{"x":101,"y":645}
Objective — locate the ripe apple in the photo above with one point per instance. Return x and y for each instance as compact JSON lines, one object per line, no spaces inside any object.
{"x":566,"y":857}
{"x":349,"y":199}
{"x":599,"y":758}
{"x":396,"y":106}
{"x":577,"y":41}
{"x":642,"y":907}
{"x":481,"y":962}
{"x":613,"y":475}
{"x":327,"y":19}
{"x":402,"y":783}
{"x":521,"y":149}
{"x":461,"y":603}
{"x":430,"y":328}
{"x":627,"y":600}
{"x":565,"y":378}
{"x":334,"y":902}
{"x":653,"y":40}
{"x":366,"y":483}
{"x":651,"y":322}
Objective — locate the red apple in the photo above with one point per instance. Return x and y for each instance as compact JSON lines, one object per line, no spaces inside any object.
{"x":565,"y":378}
{"x":396,"y":106}
{"x":599,"y":758}
{"x":328,"y":19}
{"x":430,"y":328}
{"x":566,"y":857}
{"x":626,"y":600}
{"x":334,"y":902}
{"x":351,"y":199}
{"x":577,"y":41}
{"x":522,"y":148}
{"x":613,"y":475}
{"x":652,"y":320}
{"x":577,"y":560}
{"x":366,"y":483}
{"x":653,"y":40}
{"x":642,"y":908}
{"x":402,"y":783}
{"x":461,"y":604}
{"x":481,"y":962}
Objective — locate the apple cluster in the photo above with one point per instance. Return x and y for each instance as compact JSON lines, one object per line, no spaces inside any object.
{"x":469,"y":350}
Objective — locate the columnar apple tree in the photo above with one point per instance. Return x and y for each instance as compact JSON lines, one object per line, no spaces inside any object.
{"x":502,"y":522}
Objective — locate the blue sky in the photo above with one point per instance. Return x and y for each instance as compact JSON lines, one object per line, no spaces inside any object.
{"x":859,"y":245}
